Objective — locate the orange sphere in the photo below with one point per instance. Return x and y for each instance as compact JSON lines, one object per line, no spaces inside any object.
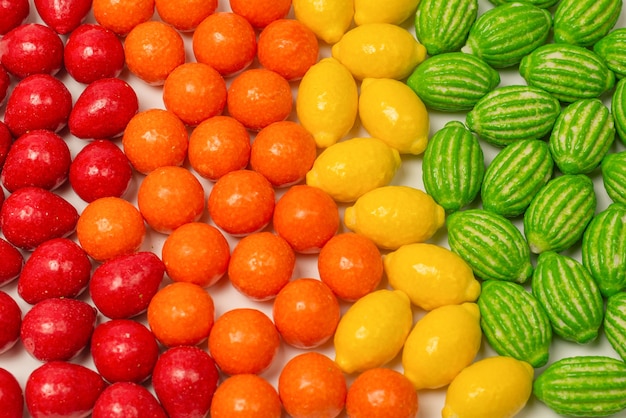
{"x":185,"y":15}
{"x":122,"y":16}
{"x":169,"y":197}
{"x":109,"y":227}
{"x":261,"y":13}
{"x":196,"y":252}
{"x":245,"y":396}
{"x":153,"y":50}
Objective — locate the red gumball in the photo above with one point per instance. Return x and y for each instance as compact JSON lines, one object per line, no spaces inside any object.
{"x":5,"y":82}
{"x":30,"y":49}
{"x":127,"y":400}
{"x":63,"y":15}
{"x":12,"y":14}
{"x":12,"y":260}
{"x":11,"y":395}
{"x":93,"y":52}
{"x":10,"y":323}
{"x":6,"y":140}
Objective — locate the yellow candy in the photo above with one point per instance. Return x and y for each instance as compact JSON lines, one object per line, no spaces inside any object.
{"x":328,"y":19}
{"x":389,"y":11}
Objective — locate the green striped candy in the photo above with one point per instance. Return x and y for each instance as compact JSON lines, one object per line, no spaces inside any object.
{"x":604,"y":249}
{"x":569,"y":295}
{"x":612,"y":49}
{"x":615,"y":323}
{"x":514,"y":322}
{"x":453,"y":167}
{"x":583,"y":386}
{"x":584,"y":22}
{"x":514,"y":177}
{"x":614,"y":176}
{"x":443,"y":26}
{"x":559,"y":213}
{"x":491,"y":244}
{"x":618,"y":109}
{"x":582,"y":136}
{"x":544,"y":4}
{"x":453,"y":82}
{"x":503,"y":35}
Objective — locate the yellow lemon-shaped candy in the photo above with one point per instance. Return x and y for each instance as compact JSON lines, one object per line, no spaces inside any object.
{"x":328,"y":19}
{"x":390,"y":110}
{"x":350,"y":168}
{"x":327,"y":102}
{"x":441,"y":344}
{"x":390,"y":11}
{"x":379,"y":50}
{"x":393,"y":216}
{"x":494,"y":387}
{"x":431,"y":275}
{"x":372,"y":331}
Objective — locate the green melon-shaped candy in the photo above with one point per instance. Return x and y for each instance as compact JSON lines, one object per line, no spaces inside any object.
{"x":614,"y":176}
{"x":544,"y":4}
{"x":453,"y":167}
{"x":453,"y":81}
{"x":514,"y":322}
{"x":612,"y":49}
{"x":443,"y":26}
{"x":615,"y":322}
{"x":618,"y":109}
{"x":569,"y":295}
{"x":503,"y":35}
{"x":604,"y":249}
{"x":514,"y":177}
{"x":583,"y":386}
{"x":582,"y":135}
{"x":491,"y":244}
{"x":584,"y":22}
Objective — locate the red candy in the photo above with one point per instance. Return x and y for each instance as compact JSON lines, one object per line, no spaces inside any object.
{"x":127,"y":400}
{"x":5,"y":82}
{"x":62,"y":389}
{"x":32,"y":215}
{"x":56,"y":268}
{"x":38,"y":158}
{"x":12,"y":14}
{"x":6,"y":140}
{"x":11,"y":396}
{"x":39,"y":101}
{"x":57,"y":329}
{"x":93,"y":52}
{"x":103,"y":109}
{"x":30,"y":49}
{"x":12,"y":261}
{"x":63,"y":15}
{"x":123,"y":286}
{"x":10,"y":323}
{"x":124,"y":350}
{"x":100,"y":169}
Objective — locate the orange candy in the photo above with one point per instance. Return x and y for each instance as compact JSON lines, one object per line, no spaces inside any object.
{"x":283,"y":152}
{"x":288,"y":47}
{"x":261,"y":13}
{"x":181,"y":314}
{"x":241,"y":202}
{"x":261,"y":264}
{"x":226,"y":42}
{"x":245,"y":396}
{"x":155,"y":138}
{"x":243,"y":340}
{"x":217,"y":146}
{"x":312,"y":385}
{"x":109,"y":227}
{"x":258,"y":97}
{"x":194,"y":92}
{"x":122,"y":16}
{"x":185,"y":15}
{"x":306,"y":313}
{"x":382,"y":392}
{"x":351,"y":265}
{"x":306,"y":217}
{"x":153,"y":49}
{"x":170,"y":197}
{"x":196,"y":252}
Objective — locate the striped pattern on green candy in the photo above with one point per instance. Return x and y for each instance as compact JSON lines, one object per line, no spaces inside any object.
{"x":604,"y":249}
{"x":511,"y":113}
{"x":443,"y":26}
{"x":583,"y":386}
{"x":615,"y":323}
{"x":612,"y":49}
{"x":559,"y":213}
{"x":568,"y":72}
{"x":584,"y":22}
{"x":503,"y":35}
{"x":453,"y":81}
{"x":618,"y":109}
{"x":491,"y":244}
{"x":569,"y":295}
{"x":582,"y":135}
{"x":453,"y":167}
{"x":614,"y":176}
{"x":544,"y":4}
{"x":514,"y":322}
{"x":514,"y":177}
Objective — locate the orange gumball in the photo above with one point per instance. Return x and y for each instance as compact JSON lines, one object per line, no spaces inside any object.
{"x":261,"y":13}
{"x":245,"y":396}
{"x":196,"y":252}
{"x":169,"y":197}
{"x":185,"y":15}
{"x":109,"y":227}
{"x":122,"y":16}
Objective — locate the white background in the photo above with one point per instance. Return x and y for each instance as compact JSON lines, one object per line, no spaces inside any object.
{"x":21,"y":364}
